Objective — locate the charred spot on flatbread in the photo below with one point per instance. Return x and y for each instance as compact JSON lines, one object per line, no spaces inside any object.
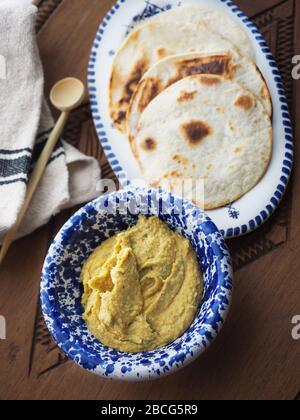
{"x":149,"y":91}
{"x":175,"y":174}
{"x":209,"y":80}
{"x":134,"y":79}
{"x":245,"y":102}
{"x":186,"y":96}
{"x":218,"y":65}
{"x":121,"y":117}
{"x":161,"y":53}
{"x":194,"y":132}
{"x":181,"y":160}
{"x":149,"y":144}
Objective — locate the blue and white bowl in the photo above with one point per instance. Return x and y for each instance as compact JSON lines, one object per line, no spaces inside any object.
{"x":61,"y":289}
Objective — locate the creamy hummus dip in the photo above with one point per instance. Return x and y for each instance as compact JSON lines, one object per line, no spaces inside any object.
{"x":142,"y":287}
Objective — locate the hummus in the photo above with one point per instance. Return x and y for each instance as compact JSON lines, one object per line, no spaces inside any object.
{"x":142,"y":287}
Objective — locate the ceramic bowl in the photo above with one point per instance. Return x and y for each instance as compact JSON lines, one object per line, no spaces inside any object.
{"x":61,"y":289}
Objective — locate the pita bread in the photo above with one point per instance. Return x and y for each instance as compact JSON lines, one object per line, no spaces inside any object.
{"x":230,"y":65}
{"x":206,"y":128}
{"x":174,"y":32}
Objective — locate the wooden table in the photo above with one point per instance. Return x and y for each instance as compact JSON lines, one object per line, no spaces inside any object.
{"x":255,"y":356}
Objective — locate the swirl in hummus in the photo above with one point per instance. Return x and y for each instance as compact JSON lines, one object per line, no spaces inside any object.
{"x":142,"y":287}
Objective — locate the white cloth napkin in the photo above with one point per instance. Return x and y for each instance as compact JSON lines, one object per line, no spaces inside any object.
{"x":25,"y":123}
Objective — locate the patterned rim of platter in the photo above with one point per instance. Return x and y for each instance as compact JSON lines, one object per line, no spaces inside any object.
{"x":252,"y":210}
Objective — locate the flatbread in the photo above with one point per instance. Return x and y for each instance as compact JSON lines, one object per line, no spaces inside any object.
{"x":206,"y":128}
{"x":215,"y":21}
{"x":173,"y":32}
{"x":230,"y":65}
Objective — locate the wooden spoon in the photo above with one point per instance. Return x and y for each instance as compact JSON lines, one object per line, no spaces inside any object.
{"x":66,"y":95}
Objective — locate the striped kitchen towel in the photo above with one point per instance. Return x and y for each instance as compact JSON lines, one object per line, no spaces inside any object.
{"x":71,"y":178}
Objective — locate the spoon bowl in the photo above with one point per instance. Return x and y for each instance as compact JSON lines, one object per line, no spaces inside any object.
{"x":67,"y":94}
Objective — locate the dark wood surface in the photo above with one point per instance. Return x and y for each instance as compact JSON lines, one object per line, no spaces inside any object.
{"x":255,"y":356}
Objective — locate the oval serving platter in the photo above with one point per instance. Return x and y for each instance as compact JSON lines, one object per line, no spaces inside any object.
{"x":252,"y":210}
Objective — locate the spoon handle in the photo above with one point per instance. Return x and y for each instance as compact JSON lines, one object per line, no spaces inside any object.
{"x":34,"y":181}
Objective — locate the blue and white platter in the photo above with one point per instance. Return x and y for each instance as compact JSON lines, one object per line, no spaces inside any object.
{"x":252,"y":210}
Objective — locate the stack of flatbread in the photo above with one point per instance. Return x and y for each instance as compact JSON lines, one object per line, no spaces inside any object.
{"x":187,"y":92}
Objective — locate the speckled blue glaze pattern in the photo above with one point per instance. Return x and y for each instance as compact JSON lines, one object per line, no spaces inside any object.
{"x":61,"y":289}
